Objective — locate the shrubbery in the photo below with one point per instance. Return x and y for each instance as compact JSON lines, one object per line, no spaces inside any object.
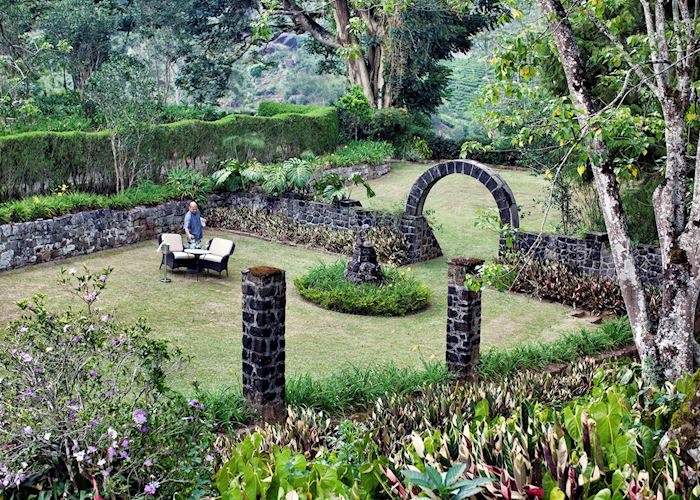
{"x":585,"y":430}
{"x":182,"y":184}
{"x":326,"y":286}
{"x":359,"y":153}
{"x":561,"y":283}
{"x":389,"y":243}
{"x":41,"y":160}
{"x":84,"y":407}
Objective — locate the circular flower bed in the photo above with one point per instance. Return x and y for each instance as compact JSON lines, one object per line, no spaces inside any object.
{"x":325,"y":285}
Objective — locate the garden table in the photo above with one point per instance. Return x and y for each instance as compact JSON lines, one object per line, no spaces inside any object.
{"x":197,"y":252}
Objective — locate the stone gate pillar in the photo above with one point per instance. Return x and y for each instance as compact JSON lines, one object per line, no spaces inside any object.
{"x":463,"y":320}
{"x":264,"y":300}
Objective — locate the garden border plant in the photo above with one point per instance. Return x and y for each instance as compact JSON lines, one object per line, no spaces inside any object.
{"x":400,"y":294}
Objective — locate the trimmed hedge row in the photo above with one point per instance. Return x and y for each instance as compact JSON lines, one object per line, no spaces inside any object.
{"x":34,"y":162}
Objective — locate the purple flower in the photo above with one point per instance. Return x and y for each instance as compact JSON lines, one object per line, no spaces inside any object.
{"x":116,"y":341}
{"x":148,"y":462}
{"x":77,"y":338}
{"x":25,"y":357}
{"x":124,"y":454}
{"x":38,"y":369}
{"x":140,"y":417}
{"x":124,"y":443}
{"x":209,"y":458}
{"x":20,"y":479}
{"x":194,"y":404}
{"x":103,"y":278}
{"x":28,"y":391}
{"x":93,"y":373}
{"x":23,"y":329}
{"x":90,"y":297}
{"x":143,"y":428}
{"x":91,"y":449}
{"x":105,"y":318}
{"x":150,"y":488}
{"x":28,"y":431}
{"x":31,"y":306}
{"x":94,"y":423}
{"x":111,"y":452}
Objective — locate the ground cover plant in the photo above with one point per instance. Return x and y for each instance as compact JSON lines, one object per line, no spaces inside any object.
{"x":182,"y":184}
{"x":326,"y":285}
{"x":389,"y":243}
{"x":588,"y":431}
{"x":561,"y":283}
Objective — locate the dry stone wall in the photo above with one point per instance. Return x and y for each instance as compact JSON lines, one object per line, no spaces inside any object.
{"x":590,"y":254}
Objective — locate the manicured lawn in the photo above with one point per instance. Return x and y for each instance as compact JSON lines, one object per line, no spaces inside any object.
{"x":204,"y":316}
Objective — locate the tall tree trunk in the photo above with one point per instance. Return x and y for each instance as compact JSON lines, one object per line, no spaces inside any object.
{"x":606,"y":184}
{"x":358,"y":72}
{"x":676,"y":341}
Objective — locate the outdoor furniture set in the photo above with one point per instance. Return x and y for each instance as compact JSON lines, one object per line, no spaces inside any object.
{"x":213,"y":257}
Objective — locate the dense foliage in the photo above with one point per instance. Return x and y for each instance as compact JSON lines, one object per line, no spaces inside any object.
{"x":561,"y":283}
{"x":182,"y":184}
{"x":326,"y":286}
{"x":84,"y":406}
{"x":40,"y":161}
{"x":359,"y":153}
{"x":389,"y":242}
{"x":577,"y":433}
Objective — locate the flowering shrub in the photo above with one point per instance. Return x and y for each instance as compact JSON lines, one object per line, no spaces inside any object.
{"x":84,"y":406}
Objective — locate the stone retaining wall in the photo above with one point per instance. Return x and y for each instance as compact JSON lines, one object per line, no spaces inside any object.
{"x":590,"y":254}
{"x":83,"y":233}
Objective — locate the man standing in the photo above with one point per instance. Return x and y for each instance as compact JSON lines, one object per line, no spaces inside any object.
{"x":193,"y":225}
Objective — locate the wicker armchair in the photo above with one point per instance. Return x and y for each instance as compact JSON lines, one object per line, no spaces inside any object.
{"x":176,"y":257}
{"x":217,"y":260}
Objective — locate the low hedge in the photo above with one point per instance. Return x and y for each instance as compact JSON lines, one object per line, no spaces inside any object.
{"x":34,"y":162}
{"x":326,"y":286}
{"x":388,"y":241}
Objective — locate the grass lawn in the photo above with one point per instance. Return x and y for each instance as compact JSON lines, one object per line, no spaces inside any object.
{"x":204,"y":317}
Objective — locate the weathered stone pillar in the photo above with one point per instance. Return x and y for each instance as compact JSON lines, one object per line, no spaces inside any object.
{"x":463,"y":320}
{"x":264,"y":301}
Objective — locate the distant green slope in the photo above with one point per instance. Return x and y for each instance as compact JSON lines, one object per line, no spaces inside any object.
{"x":455,"y":118}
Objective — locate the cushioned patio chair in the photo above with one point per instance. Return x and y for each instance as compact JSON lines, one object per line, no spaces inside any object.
{"x":217,"y":260}
{"x":176,"y":257}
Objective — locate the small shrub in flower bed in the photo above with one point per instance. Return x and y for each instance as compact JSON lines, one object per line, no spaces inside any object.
{"x":560,"y":283}
{"x":85,"y":411}
{"x":401,"y":293}
{"x":390,"y":245}
{"x":590,"y":431}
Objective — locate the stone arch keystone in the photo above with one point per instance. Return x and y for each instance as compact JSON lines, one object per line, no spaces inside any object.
{"x":501,"y":192}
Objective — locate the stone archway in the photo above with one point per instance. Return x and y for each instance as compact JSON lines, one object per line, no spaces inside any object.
{"x":501,"y":192}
